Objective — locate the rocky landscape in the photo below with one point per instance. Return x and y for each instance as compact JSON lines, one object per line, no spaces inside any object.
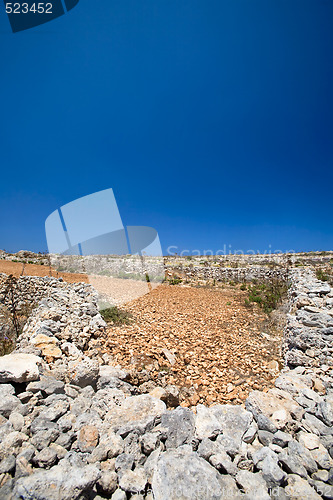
{"x":74,"y":426}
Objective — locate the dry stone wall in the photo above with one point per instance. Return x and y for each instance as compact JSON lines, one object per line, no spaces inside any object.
{"x":85,"y":432}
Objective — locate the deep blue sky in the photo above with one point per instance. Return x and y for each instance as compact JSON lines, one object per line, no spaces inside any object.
{"x":212,"y":120}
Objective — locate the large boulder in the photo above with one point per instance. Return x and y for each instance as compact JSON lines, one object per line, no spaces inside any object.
{"x":83,"y":372}
{"x":277,"y":405}
{"x":63,"y":481}
{"x":179,"y":427}
{"x":19,"y":367}
{"x":137,"y":413}
{"x":183,"y":474}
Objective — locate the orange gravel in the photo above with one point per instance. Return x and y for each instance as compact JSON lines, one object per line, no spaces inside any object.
{"x":19,"y":269}
{"x":220,"y":352}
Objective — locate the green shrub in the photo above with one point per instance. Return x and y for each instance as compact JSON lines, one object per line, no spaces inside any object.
{"x":116,"y":316}
{"x":175,"y":280}
{"x":321,"y":275}
{"x":268,"y":295}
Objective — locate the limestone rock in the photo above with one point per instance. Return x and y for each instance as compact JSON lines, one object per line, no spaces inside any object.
{"x":254,"y":485}
{"x":299,"y":489}
{"x":84,"y":372}
{"x":179,"y":425}
{"x":135,"y":413}
{"x":182,"y":474}
{"x":19,"y":367}
{"x":48,"y":345}
{"x":61,"y":481}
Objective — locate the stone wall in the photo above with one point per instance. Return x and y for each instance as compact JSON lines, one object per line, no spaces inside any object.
{"x":225,"y":274}
{"x":86,"y":432}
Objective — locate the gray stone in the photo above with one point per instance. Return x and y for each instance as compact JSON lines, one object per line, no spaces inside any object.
{"x":113,"y":371}
{"x":265,"y":437}
{"x":19,"y":367}
{"x":207,"y":448}
{"x":151,"y":463}
{"x":17,"y":421}
{"x":107,"y":483}
{"x":206,"y":423}
{"x":55,"y":411}
{"x":114,"y":444}
{"x":7,"y":464}
{"x":232,"y":421}
{"x":124,"y":462}
{"x":45,"y":458}
{"x":330,"y":476}
{"x":119,"y":495}
{"x":48,"y":385}
{"x":136,"y":413}
{"x":6,"y":490}
{"x":322,"y":457}
{"x":84,"y":372}
{"x":133,"y":481}
{"x":149,"y":442}
{"x":133,"y":447}
{"x":261,"y":454}
{"x":105,"y":399}
{"x":66,"y":439}
{"x":222,"y":462}
{"x":23,"y":468}
{"x":43,"y":438}
{"x":299,"y":489}
{"x":172,"y":395}
{"x":325,"y":413}
{"x":265,"y":424}
{"x":60,"y":481}
{"x":99,"y":454}
{"x":316,"y":426}
{"x":254,"y":485}
{"x":27,"y":452}
{"x":182,"y":474}
{"x":114,"y":383}
{"x":179,"y":425}
{"x":10,"y":404}
{"x":320,"y":288}
{"x":6,"y":389}
{"x":295,"y":449}
{"x":277,"y":405}
{"x":292,"y":464}
{"x":60,"y":451}
{"x":12,"y":443}
{"x":272,"y":473}
{"x":281,"y":438}
{"x":251,"y":433}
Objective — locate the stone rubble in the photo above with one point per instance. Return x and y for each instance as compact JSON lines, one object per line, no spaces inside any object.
{"x":73,"y":427}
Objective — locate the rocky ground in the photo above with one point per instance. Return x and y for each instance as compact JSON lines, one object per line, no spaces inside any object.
{"x":203,"y":340}
{"x":72,"y":426}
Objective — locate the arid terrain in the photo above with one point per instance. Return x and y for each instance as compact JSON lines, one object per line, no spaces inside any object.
{"x":204,"y":338}
{"x":22,"y":269}
{"x":223,"y":370}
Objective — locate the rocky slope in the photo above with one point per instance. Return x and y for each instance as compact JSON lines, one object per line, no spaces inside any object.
{"x":73,"y":427}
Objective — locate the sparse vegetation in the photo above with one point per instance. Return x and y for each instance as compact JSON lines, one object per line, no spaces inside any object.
{"x":116,"y":316}
{"x":268,"y":295}
{"x":325,"y":275}
{"x":14,"y":315}
{"x":175,"y":280}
